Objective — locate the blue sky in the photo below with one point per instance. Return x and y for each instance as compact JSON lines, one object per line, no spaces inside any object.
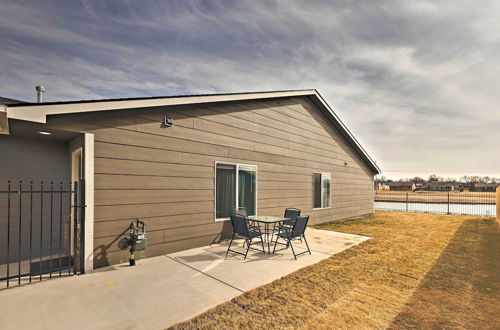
{"x":416,"y":82}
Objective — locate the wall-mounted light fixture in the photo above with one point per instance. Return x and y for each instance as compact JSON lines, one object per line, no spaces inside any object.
{"x":346,"y":163}
{"x":44,"y":133}
{"x":168,"y":122}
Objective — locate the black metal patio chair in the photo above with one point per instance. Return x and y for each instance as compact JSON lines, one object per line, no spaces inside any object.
{"x":241,"y":211}
{"x":288,"y":234}
{"x":292,"y":214}
{"x":242,"y":229}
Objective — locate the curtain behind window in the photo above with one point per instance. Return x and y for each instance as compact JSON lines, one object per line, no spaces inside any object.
{"x":225,"y":190}
{"x":246,"y":187}
{"x":326,"y":190}
{"x":317,"y":190}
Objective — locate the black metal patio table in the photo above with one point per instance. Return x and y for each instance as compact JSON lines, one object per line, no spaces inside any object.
{"x":267,"y":221}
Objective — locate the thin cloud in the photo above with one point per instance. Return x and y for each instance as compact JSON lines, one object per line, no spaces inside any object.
{"x":416,"y":83}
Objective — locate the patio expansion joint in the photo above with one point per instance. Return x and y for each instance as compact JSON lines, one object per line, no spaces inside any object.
{"x":208,"y":275}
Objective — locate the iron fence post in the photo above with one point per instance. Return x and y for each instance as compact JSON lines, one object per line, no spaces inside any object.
{"x":19,"y":233}
{"x":82,"y":226}
{"x":60,"y":227}
{"x":41,"y":228}
{"x":51,"y":225}
{"x":75,"y":226}
{"x":406,"y":202}
{"x":8,"y":231}
{"x":31,"y":227}
{"x":70,"y":198}
{"x":448,"y":202}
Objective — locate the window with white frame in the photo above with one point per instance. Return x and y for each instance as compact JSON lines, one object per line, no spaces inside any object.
{"x":235,"y":188}
{"x":321,"y":190}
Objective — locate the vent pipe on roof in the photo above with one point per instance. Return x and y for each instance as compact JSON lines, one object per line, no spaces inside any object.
{"x":39,"y":93}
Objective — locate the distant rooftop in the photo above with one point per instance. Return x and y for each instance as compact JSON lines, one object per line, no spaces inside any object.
{"x":485,"y":185}
{"x":439,"y":184}
{"x":400,"y":184}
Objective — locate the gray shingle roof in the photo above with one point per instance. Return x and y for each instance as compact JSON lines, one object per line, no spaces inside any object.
{"x":8,"y":101}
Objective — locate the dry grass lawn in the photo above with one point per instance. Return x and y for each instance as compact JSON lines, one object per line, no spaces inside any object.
{"x":418,"y":271}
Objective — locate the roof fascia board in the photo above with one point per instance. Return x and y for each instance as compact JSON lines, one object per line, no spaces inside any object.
{"x":39,"y":113}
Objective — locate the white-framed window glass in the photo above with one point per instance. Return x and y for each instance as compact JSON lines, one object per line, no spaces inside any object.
{"x":235,"y":188}
{"x":321,"y":190}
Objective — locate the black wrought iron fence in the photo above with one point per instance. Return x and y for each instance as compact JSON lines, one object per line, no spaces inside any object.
{"x":38,"y":236}
{"x":481,"y":204}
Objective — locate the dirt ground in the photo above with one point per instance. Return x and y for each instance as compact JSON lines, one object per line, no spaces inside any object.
{"x":418,"y":271}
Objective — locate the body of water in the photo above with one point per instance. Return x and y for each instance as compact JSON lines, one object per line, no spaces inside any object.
{"x":488,"y":210}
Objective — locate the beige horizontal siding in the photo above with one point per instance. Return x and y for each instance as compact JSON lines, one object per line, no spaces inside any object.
{"x":166,"y":175}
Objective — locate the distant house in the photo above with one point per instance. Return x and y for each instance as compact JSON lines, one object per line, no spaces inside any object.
{"x":402,"y":186}
{"x":439,"y":186}
{"x":484,"y":187}
{"x":381,"y":186}
{"x":419,"y":187}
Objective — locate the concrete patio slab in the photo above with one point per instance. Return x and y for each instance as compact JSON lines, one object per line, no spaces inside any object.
{"x":159,"y":291}
{"x":259,"y":269}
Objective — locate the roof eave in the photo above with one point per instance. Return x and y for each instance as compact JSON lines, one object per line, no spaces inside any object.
{"x":38,"y":112}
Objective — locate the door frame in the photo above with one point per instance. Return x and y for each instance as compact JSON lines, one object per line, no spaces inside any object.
{"x":237,"y":165}
{"x":84,"y":145}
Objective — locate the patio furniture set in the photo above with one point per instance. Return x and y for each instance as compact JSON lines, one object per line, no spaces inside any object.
{"x":268,"y":230}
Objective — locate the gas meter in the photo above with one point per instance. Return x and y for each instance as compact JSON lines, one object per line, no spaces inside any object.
{"x":136,"y":241}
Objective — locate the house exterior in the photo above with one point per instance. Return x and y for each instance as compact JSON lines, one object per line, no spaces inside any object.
{"x":381,"y":186}
{"x":402,"y":186}
{"x":484,"y":187}
{"x":181,"y":164}
{"x":439,"y":186}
